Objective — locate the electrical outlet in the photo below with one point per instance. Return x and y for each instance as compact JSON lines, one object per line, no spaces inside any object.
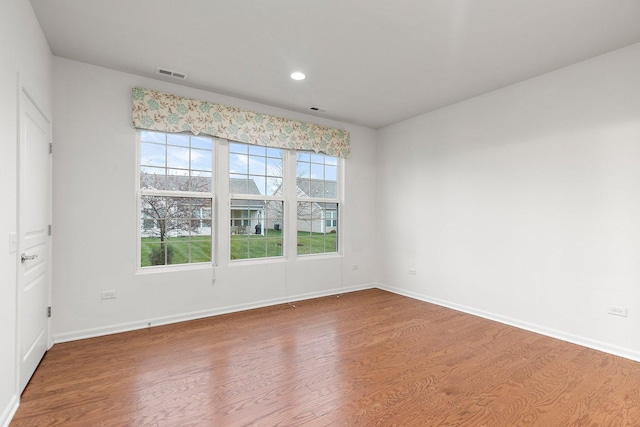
{"x":412,"y":271}
{"x":355,"y":267}
{"x":108,"y":294}
{"x":618,"y":311}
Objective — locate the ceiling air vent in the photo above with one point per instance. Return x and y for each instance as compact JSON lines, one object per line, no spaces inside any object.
{"x":170,"y":73}
{"x":318,"y":109}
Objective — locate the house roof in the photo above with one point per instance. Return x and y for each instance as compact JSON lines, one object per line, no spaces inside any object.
{"x":314,"y":188}
{"x":239,"y":186}
{"x":317,"y":188}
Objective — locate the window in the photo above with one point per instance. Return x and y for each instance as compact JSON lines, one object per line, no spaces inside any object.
{"x":175,"y":198}
{"x":332,"y":219}
{"x":256,"y":201}
{"x":318,"y":203}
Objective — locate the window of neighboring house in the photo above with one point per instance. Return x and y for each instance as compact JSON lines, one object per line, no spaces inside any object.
{"x":318,"y":203}
{"x":332,"y":219}
{"x":256,"y":201}
{"x":176,"y":198}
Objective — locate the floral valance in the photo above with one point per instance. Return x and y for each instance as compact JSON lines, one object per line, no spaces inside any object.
{"x":170,"y":113}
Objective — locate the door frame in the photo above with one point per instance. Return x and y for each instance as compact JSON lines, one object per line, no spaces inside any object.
{"x":24,"y":90}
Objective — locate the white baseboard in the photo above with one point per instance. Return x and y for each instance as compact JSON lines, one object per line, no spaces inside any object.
{"x":131,"y":326}
{"x":9,"y":411}
{"x":574,"y":339}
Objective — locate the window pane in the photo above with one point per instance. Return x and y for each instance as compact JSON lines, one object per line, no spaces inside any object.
{"x":201,"y":209}
{"x":256,"y":228}
{"x":257,"y":150}
{"x":331,"y":190}
{"x":177,"y":180}
{"x":304,"y":212}
{"x":257,"y":165}
{"x":150,"y":136}
{"x":173,"y":228}
{"x":274,"y":186}
{"x":255,"y":173}
{"x":303,"y":170}
{"x":257,"y":184}
{"x":304,"y":157}
{"x":178,"y":253}
{"x":304,"y":187}
{"x":201,"y":182}
{"x":238,"y":184}
{"x":177,"y":157}
{"x":179,"y":139}
{"x":274,"y":167}
{"x":201,"y":248}
{"x":152,"y":253}
{"x":274,"y":152}
{"x":317,"y":228}
{"x":331,"y":173}
{"x":152,"y":155}
{"x":153,"y":178}
{"x":317,"y":171}
{"x":238,"y":163}
{"x":238,"y":148}
{"x":317,"y":176}
{"x":202,"y":142}
{"x":316,"y":189}
{"x":178,"y":161}
{"x":317,"y":158}
{"x":201,"y":160}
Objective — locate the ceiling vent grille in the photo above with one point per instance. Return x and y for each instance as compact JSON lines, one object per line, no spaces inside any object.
{"x":165,"y":72}
{"x":318,"y":109}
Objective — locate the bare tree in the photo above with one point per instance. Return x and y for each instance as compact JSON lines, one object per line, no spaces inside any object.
{"x":166,"y":216}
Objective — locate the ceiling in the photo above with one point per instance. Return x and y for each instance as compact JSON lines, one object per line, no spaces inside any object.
{"x":368,"y":62}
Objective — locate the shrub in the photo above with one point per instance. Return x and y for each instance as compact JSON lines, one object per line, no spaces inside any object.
{"x":156,"y":256}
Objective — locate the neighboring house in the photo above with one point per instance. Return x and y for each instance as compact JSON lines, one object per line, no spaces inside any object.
{"x":246,"y":214}
{"x":317,"y":217}
{"x":171,"y":216}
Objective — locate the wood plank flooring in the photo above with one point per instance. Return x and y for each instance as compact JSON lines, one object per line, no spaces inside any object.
{"x":367,"y":358}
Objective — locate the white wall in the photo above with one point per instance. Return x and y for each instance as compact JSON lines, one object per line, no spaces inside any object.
{"x":95,"y":219}
{"x":23,"y":50}
{"x":523,"y":205}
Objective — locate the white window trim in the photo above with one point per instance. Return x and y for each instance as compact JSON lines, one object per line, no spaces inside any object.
{"x":169,"y":193}
{"x":339,"y":200}
{"x":220,"y":205}
{"x":286,"y":155}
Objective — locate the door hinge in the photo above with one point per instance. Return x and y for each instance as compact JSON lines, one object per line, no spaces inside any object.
{"x":49,"y":311}
{"x":49,"y":230}
{"x":50,"y":148}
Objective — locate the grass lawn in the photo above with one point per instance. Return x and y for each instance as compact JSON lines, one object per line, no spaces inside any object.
{"x":246,"y":246}
{"x":183,"y":250}
{"x":243,"y":246}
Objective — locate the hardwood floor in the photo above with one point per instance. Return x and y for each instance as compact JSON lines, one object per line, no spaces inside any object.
{"x":367,"y":358}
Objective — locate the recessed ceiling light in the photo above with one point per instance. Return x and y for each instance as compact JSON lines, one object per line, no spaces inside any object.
{"x":298,"y":76}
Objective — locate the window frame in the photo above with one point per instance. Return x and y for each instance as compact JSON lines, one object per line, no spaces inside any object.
{"x":221,"y":211}
{"x":281,"y":198}
{"x":209,"y":195}
{"x":338,"y":200}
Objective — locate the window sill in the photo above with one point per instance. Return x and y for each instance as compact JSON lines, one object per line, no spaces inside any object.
{"x":174,"y":268}
{"x":330,"y":255}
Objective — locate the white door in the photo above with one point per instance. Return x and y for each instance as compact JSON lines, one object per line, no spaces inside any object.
{"x":34,"y":212}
